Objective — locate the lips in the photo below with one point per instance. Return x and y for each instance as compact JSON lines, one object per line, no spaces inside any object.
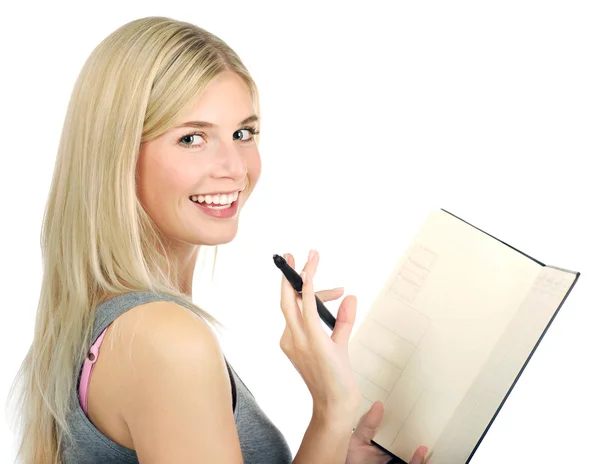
{"x":222,"y":212}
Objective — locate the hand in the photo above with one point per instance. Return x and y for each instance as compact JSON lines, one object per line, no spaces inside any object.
{"x":322,"y":361}
{"x":361,"y":451}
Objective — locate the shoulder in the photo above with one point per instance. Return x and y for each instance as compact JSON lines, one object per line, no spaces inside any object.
{"x":173,"y":381}
{"x":162,"y":335}
{"x":163,"y":321}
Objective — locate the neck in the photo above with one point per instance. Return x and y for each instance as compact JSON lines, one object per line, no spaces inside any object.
{"x":184,"y":259}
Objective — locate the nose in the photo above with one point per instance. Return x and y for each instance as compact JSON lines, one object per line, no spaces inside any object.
{"x":231,"y":161}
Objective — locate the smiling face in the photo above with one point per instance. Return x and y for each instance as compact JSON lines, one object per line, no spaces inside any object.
{"x":200,"y":160}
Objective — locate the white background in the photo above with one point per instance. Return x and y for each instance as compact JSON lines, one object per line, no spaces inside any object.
{"x":373,"y":114}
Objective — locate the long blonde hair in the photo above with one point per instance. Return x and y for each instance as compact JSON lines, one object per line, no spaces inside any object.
{"x":96,"y":238}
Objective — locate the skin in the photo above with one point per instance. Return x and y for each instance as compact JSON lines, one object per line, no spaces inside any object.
{"x":223,"y":159}
{"x":361,"y":451}
{"x":170,"y":169}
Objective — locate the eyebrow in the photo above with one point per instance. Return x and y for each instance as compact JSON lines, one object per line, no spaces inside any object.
{"x":202,"y":124}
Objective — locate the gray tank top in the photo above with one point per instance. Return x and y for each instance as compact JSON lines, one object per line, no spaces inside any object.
{"x":260,"y":440}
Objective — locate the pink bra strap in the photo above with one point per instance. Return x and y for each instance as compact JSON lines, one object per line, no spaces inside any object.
{"x":88,"y":365}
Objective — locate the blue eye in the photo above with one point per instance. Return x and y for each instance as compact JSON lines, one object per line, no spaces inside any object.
{"x":253,"y":131}
{"x":188,"y":136}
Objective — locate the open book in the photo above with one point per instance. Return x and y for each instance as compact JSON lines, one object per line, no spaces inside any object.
{"x":448,"y":336}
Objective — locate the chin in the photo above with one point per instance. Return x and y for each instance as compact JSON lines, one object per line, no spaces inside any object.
{"x":215,"y":239}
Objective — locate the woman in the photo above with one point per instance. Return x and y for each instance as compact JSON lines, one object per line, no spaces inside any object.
{"x":141,"y":184}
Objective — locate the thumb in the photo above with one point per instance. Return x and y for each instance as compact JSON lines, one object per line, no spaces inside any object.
{"x":368,"y":423}
{"x":346,"y":316}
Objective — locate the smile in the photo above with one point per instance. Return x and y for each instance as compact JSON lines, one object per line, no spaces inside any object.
{"x":222,"y":199}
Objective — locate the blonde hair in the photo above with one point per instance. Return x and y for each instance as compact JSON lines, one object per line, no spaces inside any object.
{"x":96,"y":238}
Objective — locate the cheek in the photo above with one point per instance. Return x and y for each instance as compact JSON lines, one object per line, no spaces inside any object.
{"x":254,"y":165}
{"x":176,"y":179}
{"x":159,"y":182}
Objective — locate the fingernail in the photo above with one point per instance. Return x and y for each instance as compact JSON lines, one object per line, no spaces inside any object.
{"x":311,"y":254}
{"x":338,"y":289}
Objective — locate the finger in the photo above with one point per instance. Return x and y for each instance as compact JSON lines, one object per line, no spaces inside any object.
{"x":368,"y":423}
{"x":330,"y":295}
{"x":419,"y":456}
{"x":289,"y":306}
{"x":311,"y":263}
{"x":286,"y":344}
{"x":290,"y":260}
{"x":345,"y":320}
{"x":287,"y":333}
{"x":286,"y":340}
{"x":309,"y":304}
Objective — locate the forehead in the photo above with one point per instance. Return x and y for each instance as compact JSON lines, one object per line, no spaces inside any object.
{"x":225,"y":102}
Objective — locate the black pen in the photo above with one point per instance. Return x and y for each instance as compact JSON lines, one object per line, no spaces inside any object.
{"x":296,"y":281}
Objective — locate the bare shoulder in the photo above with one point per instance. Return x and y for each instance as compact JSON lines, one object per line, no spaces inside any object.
{"x":163,"y":329}
{"x":175,"y":395}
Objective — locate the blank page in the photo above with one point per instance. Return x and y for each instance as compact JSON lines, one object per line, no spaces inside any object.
{"x":440,"y":346}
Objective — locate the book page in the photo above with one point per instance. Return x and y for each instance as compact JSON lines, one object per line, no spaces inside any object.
{"x":433,"y":327}
{"x":480,"y":404}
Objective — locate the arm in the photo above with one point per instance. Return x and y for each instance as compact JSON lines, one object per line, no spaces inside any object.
{"x":324,"y":365}
{"x":326,"y":440}
{"x":176,"y":398}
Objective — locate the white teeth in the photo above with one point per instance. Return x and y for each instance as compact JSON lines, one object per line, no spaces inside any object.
{"x":219,"y":199}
